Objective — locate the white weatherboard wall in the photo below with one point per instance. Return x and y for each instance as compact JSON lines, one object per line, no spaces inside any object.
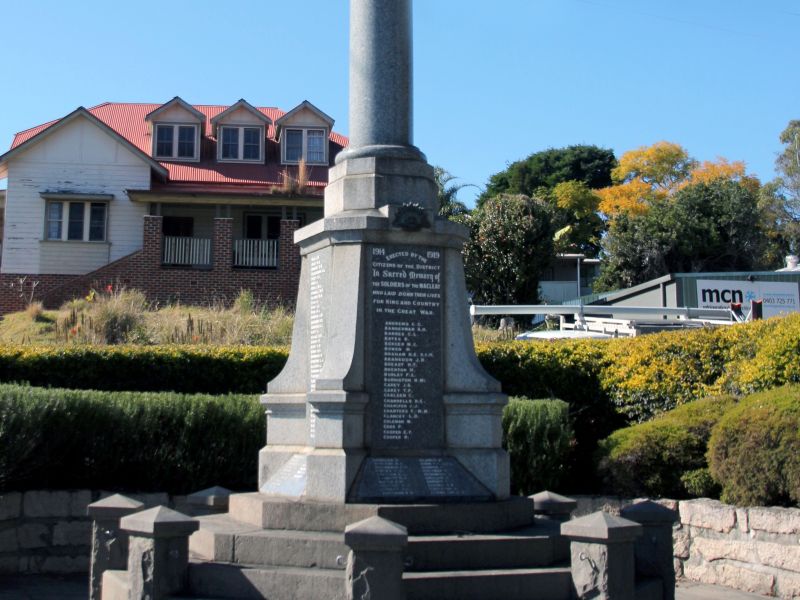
{"x":79,"y":158}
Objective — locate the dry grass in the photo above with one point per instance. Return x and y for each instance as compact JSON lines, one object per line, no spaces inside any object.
{"x":34,"y":311}
{"x":123,"y":316}
{"x":218,"y":325}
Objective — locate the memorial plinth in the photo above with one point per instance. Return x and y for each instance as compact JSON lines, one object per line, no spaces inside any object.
{"x":382,"y":399}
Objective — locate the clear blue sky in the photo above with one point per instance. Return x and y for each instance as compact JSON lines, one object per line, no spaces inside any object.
{"x":494,"y":81}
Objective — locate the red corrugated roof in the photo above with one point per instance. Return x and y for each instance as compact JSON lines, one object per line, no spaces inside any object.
{"x":128,"y":120}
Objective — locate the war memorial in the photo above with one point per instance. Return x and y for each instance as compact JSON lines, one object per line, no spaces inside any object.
{"x":383,"y":476}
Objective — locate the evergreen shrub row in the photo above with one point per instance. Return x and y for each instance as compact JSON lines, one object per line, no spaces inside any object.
{"x":754,"y":450}
{"x":635,"y":377}
{"x":174,"y":368}
{"x":657,"y":457}
{"x":745,"y":452}
{"x":539,"y":438}
{"x":66,"y":439}
{"x":142,"y":441}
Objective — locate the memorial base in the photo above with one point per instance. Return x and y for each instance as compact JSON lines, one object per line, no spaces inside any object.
{"x":382,"y":398}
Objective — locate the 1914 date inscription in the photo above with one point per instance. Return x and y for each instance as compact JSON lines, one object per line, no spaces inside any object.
{"x":405,"y":308}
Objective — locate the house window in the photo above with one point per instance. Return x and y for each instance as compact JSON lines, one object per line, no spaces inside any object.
{"x":308,"y":144}
{"x":241,"y":143}
{"x":85,"y":221}
{"x":176,"y":141}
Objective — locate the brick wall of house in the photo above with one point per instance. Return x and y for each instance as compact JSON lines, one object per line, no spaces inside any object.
{"x":143,"y":270}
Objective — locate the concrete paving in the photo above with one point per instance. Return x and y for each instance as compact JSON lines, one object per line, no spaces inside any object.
{"x":37,"y":587}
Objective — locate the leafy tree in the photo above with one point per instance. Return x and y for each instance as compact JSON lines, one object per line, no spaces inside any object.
{"x":709,"y":171}
{"x":662,"y":165}
{"x":632,"y":198}
{"x":644,"y":176}
{"x":788,"y":164}
{"x":575,"y":219}
{"x":510,"y":246}
{"x":588,"y":164}
{"x":712,"y":226}
{"x":447,"y":192}
{"x":652,"y":173}
{"x":781,"y":198}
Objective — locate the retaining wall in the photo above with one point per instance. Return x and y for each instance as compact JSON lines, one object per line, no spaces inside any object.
{"x":49,"y":531}
{"x":755,"y":549}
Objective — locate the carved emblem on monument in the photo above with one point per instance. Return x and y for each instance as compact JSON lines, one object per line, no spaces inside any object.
{"x":411,"y":217}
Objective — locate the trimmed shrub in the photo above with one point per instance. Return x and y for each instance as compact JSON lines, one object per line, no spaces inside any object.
{"x":652,"y":459}
{"x":655,"y":373}
{"x":61,"y":439}
{"x":569,"y":371}
{"x":754,"y":451}
{"x":700,"y":484}
{"x":185,"y":369}
{"x":539,"y":439}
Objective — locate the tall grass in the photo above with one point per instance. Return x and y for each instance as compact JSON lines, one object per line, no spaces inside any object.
{"x":124,"y":316}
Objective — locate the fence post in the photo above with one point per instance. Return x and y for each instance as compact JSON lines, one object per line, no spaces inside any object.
{"x":158,"y":554}
{"x":654,"y":552}
{"x":109,"y":542}
{"x":602,"y":556}
{"x":375,"y":562}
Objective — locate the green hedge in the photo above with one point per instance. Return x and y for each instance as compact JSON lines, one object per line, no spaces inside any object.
{"x":641,"y":377}
{"x":634,"y":377}
{"x":664,"y":457}
{"x":754,"y":451}
{"x":139,"y":441}
{"x":57,"y":439}
{"x":185,"y":369}
{"x":539,"y":439}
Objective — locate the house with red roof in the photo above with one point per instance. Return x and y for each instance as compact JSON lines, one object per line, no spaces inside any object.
{"x":189,"y":203}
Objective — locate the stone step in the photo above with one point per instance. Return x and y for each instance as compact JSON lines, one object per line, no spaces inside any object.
{"x":222,"y":539}
{"x":527,"y":547}
{"x":226,"y":581}
{"x":265,"y":512}
{"x":553,"y":583}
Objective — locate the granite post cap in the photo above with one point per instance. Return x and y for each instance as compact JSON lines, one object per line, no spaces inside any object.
{"x":215,"y":497}
{"x":649,"y":512}
{"x":159,"y":522}
{"x":548,"y":502}
{"x":375,"y":533}
{"x":601,"y":527}
{"x":113,"y":507}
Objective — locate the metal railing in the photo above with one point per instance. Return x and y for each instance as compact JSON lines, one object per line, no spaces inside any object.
{"x":187,"y":251}
{"x":255,"y":253}
{"x":659,"y":312}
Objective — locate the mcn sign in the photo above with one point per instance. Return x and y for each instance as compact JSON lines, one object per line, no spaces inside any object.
{"x":716,"y":296}
{"x":778,"y":297}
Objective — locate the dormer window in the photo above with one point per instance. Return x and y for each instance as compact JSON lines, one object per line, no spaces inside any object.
{"x":305,"y":144}
{"x":241,"y":143}
{"x":176,"y":142}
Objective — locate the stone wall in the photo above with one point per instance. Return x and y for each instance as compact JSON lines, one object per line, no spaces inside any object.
{"x":753,"y":549}
{"x":49,"y":532}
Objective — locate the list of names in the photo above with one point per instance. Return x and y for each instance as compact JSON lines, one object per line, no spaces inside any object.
{"x":405,"y":298}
